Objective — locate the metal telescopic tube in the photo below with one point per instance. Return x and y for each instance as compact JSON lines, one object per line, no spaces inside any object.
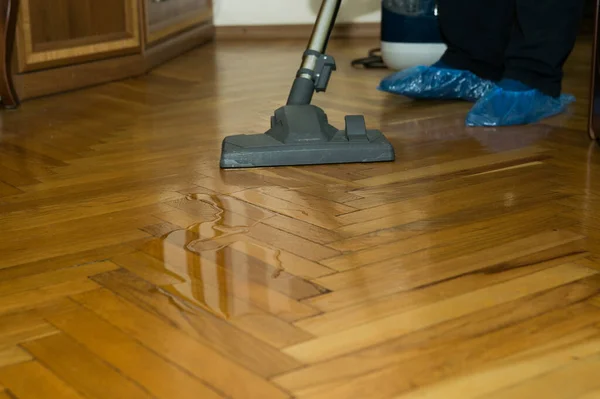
{"x":303,"y":87}
{"x":322,"y":31}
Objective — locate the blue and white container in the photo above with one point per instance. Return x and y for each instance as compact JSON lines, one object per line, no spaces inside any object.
{"x":410,"y":33}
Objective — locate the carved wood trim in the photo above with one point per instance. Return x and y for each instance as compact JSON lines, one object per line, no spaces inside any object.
{"x":8,"y":22}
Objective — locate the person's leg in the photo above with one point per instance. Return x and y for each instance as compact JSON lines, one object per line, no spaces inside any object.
{"x":542,"y":39}
{"x":476,"y":33}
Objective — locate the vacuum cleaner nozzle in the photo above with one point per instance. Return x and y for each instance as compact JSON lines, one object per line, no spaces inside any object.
{"x":300,"y":133}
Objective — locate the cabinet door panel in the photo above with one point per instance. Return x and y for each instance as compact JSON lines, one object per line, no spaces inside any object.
{"x":63,"y":32}
{"x":168,"y":17}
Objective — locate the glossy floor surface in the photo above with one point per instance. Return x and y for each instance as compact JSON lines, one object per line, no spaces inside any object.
{"x":132,"y":267}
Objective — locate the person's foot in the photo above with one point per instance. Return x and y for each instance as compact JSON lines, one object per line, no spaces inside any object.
{"x":438,"y":81}
{"x":514,"y":103}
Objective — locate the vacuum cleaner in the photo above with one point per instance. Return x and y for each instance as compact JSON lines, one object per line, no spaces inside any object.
{"x":410,"y":36}
{"x":410,"y":33}
{"x":300,"y":132}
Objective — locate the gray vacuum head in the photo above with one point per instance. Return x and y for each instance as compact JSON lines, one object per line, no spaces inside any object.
{"x":301,"y":135}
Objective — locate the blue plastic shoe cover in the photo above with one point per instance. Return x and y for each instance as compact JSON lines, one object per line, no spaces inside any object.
{"x":501,"y":107}
{"x":425,"y":82}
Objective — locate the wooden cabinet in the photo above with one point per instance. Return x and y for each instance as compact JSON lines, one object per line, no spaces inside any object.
{"x":63,"y":45}
{"x":53,"y":33}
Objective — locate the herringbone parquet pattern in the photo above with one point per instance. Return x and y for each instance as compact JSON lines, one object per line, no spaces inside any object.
{"x":132,"y":267}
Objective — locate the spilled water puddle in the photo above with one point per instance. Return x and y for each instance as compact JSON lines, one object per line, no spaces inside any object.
{"x":221,"y":268}
{"x":227,"y":236}
{"x":217,"y":228}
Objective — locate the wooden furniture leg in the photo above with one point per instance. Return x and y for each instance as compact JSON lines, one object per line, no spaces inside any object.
{"x":8,"y":21}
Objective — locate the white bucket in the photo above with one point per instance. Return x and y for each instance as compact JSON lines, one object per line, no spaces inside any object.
{"x":400,"y":56}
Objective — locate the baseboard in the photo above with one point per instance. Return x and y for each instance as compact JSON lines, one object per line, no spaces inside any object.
{"x":370,"y":30}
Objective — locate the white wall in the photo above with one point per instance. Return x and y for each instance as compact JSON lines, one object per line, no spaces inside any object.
{"x":283,"y":12}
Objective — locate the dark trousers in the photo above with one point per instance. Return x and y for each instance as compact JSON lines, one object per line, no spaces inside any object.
{"x":525,"y":40}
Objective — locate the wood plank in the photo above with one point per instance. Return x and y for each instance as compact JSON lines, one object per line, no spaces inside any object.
{"x":288,"y":273}
{"x":146,"y":267}
{"x":371,"y":310}
{"x":307,"y":200}
{"x":568,"y":340}
{"x":36,"y":298}
{"x":591,"y":263}
{"x":218,"y":185}
{"x":303,"y":229}
{"x":250,"y":179}
{"x":396,"y":212}
{"x":570,"y":363}
{"x":339,"y":191}
{"x":158,"y":230}
{"x":286,"y":263}
{"x":291,"y":243}
{"x":250,"y":352}
{"x":15,"y":157}
{"x":421,"y":268}
{"x":231,"y":282}
{"x":369,"y":197}
{"x":15,"y":178}
{"x":73,"y":207}
{"x":382,"y":223}
{"x":273,"y":331}
{"x":6,"y":189}
{"x":413,"y":356}
{"x":67,"y":260}
{"x":467,"y":166}
{"x":32,"y":380}
{"x":567,"y":382}
{"x":379,"y":237}
{"x":82,"y":178}
{"x":479,"y":234}
{"x":188,"y":353}
{"x":324,"y":348}
{"x":179,"y":218}
{"x":275,"y":269}
{"x":297,"y":178}
{"x":72,"y":236}
{"x":446,"y":241}
{"x":213,"y":206}
{"x":590,"y":395}
{"x":82,"y":370}
{"x":14,"y":286}
{"x":321,"y":217}
{"x":10,"y":355}
{"x":23,"y":326}
{"x":209,"y":286}
{"x":159,"y":377}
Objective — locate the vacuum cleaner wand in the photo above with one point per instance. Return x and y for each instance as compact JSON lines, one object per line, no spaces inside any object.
{"x":315,"y":72}
{"x":300,"y":133}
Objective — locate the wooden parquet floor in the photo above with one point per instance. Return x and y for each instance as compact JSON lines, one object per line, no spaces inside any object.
{"x":132,"y":267}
